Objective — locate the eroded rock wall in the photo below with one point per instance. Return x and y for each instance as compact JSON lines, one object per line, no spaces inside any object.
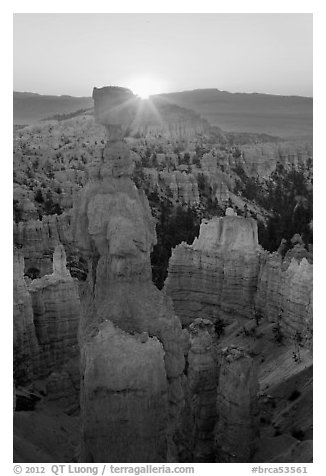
{"x":183,"y":186}
{"x":218,"y":272}
{"x":225,"y":273}
{"x":284,"y":295}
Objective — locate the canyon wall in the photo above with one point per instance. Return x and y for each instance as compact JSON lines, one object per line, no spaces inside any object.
{"x":124,"y":314}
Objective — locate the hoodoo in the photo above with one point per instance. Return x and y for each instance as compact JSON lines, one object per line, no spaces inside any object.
{"x":46,"y":318}
{"x":237,"y":429}
{"x":132,"y":343}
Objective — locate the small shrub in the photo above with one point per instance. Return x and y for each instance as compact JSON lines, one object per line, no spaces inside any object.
{"x":219,"y":327}
{"x":33,"y":273}
{"x":258,"y":317}
{"x":294,"y":395}
{"x":298,"y":434}
{"x":296,"y":357}
{"x":278,"y":336}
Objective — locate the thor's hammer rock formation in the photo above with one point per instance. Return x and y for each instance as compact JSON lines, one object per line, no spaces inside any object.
{"x":132,"y":344}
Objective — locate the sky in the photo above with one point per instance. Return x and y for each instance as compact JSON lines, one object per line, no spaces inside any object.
{"x":156,"y":53}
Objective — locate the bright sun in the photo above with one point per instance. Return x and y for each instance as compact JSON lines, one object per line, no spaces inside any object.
{"x":145,"y":86}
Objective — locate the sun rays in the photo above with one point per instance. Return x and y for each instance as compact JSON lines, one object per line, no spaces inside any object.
{"x":145,"y":86}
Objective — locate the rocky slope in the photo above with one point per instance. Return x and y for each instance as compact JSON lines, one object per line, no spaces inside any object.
{"x":113,"y":227}
{"x":160,"y":119}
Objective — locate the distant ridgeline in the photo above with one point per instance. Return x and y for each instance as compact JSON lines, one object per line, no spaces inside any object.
{"x":69,"y":115}
{"x":284,"y":116}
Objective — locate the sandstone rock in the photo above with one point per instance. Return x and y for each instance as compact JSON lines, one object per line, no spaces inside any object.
{"x":229,"y":212}
{"x":46,"y":318}
{"x":237,"y":426}
{"x":114,"y":106}
{"x":125,"y":403}
{"x":56,"y":309}
{"x":218,"y":272}
{"x":183,"y":186}
{"x":284,"y":295}
{"x":229,"y":233}
{"x":38,"y":239}
{"x":114,"y":229}
{"x":26,"y":347}
{"x":202,"y":380}
{"x":262,"y":159}
{"x":225,"y":271}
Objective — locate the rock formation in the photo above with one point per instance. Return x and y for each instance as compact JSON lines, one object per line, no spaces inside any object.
{"x":126,"y":394}
{"x":218,"y":272}
{"x":46,"y":323}
{"x":56,"y":308}
{"x":202,"y":382}
{"x":38,"y":239}
{"x":237,"y":407}
{"x":26,"y":348}
{"x":226,"y":273}
{"x":284,"y":295}
{"x":124,"y":314}
{"x":261,"y":159}
{"x":183,"y":186}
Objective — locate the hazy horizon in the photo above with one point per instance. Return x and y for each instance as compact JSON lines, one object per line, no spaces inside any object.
{"x":170,"y":92}
{"x":69,"y":54}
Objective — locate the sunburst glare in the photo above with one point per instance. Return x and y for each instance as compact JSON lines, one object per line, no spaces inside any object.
{"x":145,"y":86}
